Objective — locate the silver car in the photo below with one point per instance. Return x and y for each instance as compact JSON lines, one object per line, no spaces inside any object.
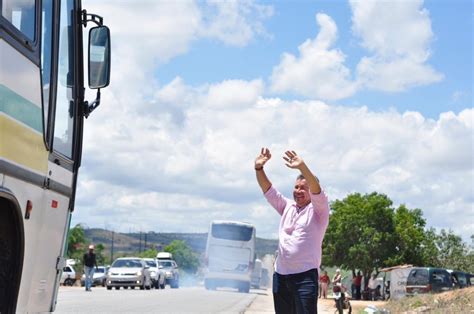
{"x":129,"y":272}
{"x":170,"y":268}
{"x":99,"y":277}
{"x":157,"y":275}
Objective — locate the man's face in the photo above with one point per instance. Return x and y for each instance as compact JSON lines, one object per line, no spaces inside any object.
{"x":301,"y":193}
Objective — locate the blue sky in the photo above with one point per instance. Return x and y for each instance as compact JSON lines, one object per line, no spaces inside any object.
{"x":375,"y":96}
{"x":294,"y":22}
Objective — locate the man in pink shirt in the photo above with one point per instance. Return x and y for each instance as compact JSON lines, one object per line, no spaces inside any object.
{"x":302,"y":226}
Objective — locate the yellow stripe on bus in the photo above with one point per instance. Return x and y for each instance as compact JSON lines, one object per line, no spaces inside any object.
{"x":22,"y":145}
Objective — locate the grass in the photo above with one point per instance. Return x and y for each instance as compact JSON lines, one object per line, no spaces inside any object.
{"x":457,"y":301}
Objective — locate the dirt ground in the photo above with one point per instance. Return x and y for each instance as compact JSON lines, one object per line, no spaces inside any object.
{"x":456,"y":301}
{"x":357,"y":306}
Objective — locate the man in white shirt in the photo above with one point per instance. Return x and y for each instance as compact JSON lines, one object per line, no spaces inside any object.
{"x":372,"y":286}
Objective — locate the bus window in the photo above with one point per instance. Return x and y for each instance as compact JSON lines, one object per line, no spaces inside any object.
{"x":22,"y":14}
{"x":64,"y":119}
{"x":232,"y":232}
{"x":46,"y":53}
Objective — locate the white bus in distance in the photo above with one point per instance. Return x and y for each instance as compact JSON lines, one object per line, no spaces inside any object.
{"x":230,"y":255}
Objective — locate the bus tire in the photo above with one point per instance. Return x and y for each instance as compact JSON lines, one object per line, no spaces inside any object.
{"x":244,"y":287}
{"x":11,"y":246}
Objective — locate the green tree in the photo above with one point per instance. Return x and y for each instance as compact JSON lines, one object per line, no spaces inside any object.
{"x":411,"y":238}
{"x":453,"y":253}
{"x":429,"y":249}
{"x":361,"y":233}
{"x":76,"y":241}
{"x":99,"y":252}
{"x":150,"y":253}
{"x":183,"y":255}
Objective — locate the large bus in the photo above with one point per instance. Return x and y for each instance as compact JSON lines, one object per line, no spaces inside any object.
{"x":230,"y":255}
{"x":42,"y":111}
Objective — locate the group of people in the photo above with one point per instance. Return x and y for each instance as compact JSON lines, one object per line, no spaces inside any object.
{"x":372,"y":290}
{"x":324,"y":282}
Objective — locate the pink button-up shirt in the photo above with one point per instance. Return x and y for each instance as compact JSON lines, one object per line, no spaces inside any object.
{"x":300,"y":234}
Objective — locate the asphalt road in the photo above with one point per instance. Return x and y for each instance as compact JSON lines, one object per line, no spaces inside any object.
{"x":182,"y":300}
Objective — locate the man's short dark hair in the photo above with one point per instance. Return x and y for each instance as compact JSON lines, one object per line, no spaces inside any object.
{"x":301,"y":177}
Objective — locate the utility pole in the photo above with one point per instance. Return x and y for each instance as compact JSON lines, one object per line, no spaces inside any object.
{"x":144,"y":247}
{"x":140,"y":244}
{"x":112,"y":249}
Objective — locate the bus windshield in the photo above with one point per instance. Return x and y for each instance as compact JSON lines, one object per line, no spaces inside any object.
{"x":232,"y":232}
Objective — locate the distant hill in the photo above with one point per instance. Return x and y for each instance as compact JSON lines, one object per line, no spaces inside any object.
{"x":130,"y":243}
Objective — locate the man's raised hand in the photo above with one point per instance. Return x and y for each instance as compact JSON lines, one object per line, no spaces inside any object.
{"x":292,"y":159}
{"x":261,"y":159}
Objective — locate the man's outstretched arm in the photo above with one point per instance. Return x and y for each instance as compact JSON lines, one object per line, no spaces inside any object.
{"x":260,"y":161}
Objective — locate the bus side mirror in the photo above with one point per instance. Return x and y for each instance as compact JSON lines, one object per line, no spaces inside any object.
{"x":99,"y":57}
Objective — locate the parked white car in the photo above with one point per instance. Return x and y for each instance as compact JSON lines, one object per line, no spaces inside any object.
{"x":68,"y":276}
{"x":157,"y":275}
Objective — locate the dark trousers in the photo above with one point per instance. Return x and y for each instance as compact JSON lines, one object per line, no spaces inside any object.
{"x":296,"y":293}
{"x":357,"y":295}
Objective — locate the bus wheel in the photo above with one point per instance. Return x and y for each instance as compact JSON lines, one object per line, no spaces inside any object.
{"x":244,"y":287}
{"x":11,"y":259}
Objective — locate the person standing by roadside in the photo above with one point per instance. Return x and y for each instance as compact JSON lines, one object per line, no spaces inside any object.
{"x":337,"y":277}
{"x":324,"y":280}
{"x":90,"y":262}
{"x":303,"y":223}
{"x":372,"y":287}
{"x":357,"y":283}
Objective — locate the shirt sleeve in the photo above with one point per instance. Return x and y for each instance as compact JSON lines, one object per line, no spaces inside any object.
{"x":321,"y":205}
{"x":276,"y":199}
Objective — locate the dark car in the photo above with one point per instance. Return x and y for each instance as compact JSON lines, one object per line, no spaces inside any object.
{"x":428,"y":280}
{"x":460,"y":279}
{"x":470,"y":279}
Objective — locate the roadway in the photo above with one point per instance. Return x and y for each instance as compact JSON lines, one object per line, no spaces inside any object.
{"x":182,"y":300}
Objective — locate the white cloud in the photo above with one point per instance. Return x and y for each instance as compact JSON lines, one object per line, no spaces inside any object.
{"x":399,"y":34}
{"x":173,"y":157}
{"x":234,"y":22}
{"x":147,"y":169}
{"x":233,"y":94}
{"x":319,"y":71}
{"x":149,"y":33}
